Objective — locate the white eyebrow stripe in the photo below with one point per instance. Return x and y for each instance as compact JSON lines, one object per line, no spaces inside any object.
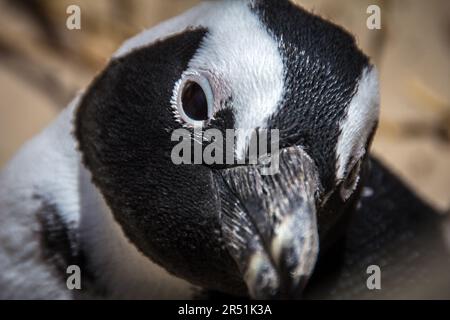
{"x":362,"y":116}
{"x":241,"y":53}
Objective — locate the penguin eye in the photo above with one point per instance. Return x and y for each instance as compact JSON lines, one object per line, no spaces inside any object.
{"x":195,"y":100}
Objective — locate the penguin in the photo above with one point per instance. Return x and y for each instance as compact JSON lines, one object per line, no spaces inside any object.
{"x":98,"y":188}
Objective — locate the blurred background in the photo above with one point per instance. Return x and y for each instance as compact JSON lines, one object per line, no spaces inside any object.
{"x":43,"y":65}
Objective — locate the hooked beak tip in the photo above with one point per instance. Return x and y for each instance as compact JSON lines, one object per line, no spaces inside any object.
{"x":284,"y":271}
{"x":271,"y":227}
{"x":261,"y":278}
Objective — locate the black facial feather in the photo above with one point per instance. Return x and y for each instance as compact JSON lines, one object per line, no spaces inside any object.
{"x":323,"y":66}
{"x":123,"y":126}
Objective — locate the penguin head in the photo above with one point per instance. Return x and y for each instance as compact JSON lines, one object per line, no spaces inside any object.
{"x":228,"y":65}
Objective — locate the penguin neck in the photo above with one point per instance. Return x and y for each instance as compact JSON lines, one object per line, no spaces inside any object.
{"x":120,"y":269}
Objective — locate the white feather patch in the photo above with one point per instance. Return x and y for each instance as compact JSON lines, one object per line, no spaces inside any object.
{"x":362,"y":116}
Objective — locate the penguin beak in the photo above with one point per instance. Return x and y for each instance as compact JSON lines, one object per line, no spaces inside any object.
{"x":269,"y":224}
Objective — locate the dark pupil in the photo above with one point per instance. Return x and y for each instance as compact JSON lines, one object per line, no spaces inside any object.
{"x":194,"y":102}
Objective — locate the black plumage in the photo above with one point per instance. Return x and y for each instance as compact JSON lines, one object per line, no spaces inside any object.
{"x":394,"y":229}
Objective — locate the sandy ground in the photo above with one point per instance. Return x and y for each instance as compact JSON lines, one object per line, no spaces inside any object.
{"x":42,"y":65}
